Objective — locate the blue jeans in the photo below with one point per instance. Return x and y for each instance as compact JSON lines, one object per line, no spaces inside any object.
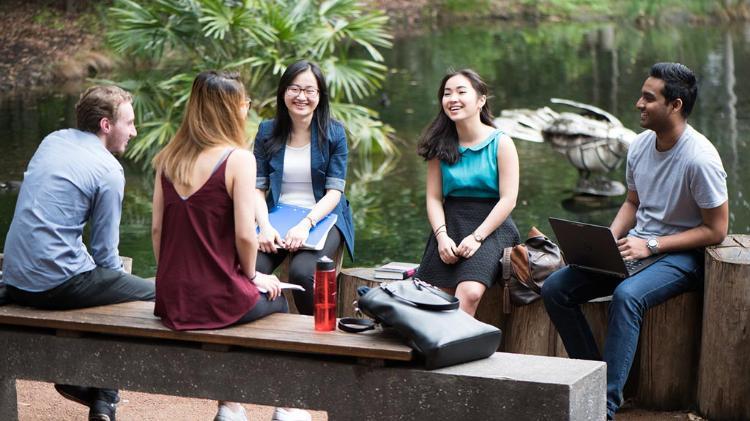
{"x":566,"y":289}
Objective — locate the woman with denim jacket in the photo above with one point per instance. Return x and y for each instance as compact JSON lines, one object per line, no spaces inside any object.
{"x":301,"y":160}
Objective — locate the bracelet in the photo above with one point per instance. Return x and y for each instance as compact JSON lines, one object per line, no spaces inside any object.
{"x":312,"y":223}
{"x":441,"y":232}
{"x":252,"y":278}
{"x":436,"y":232}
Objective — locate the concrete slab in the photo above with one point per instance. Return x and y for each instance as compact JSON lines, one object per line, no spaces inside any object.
{"x":505,"y":386}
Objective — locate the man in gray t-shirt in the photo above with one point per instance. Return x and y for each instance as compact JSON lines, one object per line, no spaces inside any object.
{"x":676,"y":205}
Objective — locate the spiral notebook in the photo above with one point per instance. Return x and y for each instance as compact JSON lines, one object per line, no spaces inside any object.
{"x":284,"y":217}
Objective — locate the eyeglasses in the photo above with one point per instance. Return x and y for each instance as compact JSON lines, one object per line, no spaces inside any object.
{"x":294,"y":90}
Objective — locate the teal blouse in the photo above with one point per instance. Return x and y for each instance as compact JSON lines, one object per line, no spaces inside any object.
{"x":475,"y":172}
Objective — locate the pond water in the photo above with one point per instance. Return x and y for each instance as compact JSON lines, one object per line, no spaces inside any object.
{"x":600,"y":64}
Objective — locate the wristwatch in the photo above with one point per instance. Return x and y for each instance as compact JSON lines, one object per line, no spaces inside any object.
{"x":653,"y":245}
{"x":477,"y":237}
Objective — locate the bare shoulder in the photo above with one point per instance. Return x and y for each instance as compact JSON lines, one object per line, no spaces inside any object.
{"x":504,"y":139}
{"x":241,"y":156}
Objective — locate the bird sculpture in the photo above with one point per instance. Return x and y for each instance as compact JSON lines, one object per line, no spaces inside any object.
{"x":594,"y":141}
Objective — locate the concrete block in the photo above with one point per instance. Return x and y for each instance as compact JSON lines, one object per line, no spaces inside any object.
{"x":504,"y":386}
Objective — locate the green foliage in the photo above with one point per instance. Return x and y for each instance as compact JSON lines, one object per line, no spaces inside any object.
{"x":170,"y":41}
{"x":463,"y":7}
{"x":652,"y":9}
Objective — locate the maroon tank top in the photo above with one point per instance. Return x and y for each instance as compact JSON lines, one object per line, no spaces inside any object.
{"x":199,"y":282}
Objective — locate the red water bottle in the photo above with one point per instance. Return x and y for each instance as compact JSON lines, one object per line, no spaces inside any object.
{"x":325,"y":294}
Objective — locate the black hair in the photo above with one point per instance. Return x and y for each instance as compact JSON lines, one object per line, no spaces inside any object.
{"x":440,"y":139}
{"x":282,"y":127}
{"x":679,"y":82}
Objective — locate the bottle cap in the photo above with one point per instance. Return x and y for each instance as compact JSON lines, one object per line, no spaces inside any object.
{"x":324,"y":263}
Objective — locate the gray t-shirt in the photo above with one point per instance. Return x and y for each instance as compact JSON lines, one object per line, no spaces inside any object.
{"x":674,"y":185}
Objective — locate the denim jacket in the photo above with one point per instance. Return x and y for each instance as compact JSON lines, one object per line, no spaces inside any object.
{"x":328,"y":166}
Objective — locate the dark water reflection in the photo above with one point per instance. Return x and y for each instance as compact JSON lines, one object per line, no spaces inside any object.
{"x":601,"y":64}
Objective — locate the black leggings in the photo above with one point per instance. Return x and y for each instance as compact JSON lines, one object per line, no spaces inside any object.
{"x":301,"y":268}
{"x":264,"y":307}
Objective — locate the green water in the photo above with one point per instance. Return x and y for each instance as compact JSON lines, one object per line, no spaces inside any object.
{"x":600,"y":64}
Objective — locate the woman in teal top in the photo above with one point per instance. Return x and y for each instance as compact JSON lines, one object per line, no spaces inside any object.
{"x":472,"y":186}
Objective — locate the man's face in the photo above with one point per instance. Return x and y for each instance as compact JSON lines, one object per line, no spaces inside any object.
{"x":121,"y":130}
{"x":655,"y":111}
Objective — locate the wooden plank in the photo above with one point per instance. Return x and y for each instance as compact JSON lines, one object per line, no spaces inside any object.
{"x":280,"y":332}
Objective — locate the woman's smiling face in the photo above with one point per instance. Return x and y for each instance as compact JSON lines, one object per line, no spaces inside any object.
{"x":460,"y":99}
{"x":299,"y":97}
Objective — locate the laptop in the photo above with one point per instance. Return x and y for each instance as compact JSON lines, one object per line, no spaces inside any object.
{"x":593,"y":247}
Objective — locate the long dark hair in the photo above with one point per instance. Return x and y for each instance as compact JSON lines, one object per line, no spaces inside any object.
{"x":282,"y":127}
{"x":440,"y":138}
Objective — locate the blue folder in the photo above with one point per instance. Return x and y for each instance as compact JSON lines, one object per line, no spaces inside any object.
{"x":284,"y":217}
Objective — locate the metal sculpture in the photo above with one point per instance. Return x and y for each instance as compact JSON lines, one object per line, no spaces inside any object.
{"x":594,"y":141}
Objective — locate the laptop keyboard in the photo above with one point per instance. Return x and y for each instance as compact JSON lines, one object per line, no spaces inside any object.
{"x":632,"y":265}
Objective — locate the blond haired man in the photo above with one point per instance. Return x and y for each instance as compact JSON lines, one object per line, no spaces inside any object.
{"x":74,"y":179}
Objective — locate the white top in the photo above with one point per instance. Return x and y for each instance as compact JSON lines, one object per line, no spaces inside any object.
{"x":673,"y":186}
{"x":296,"y":181}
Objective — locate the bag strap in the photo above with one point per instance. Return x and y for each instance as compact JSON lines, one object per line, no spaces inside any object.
{"x":507,"y":269}
{"x":451,"y":301}
{"x":354,"y":325}
{"x":505,"y":263}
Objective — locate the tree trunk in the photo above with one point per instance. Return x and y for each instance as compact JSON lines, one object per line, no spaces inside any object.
{"x":490,"y":310}
{"x":724,"y":371}
{"x":529,"y":330}
{"x":669,"y":345}
{"x":348,"y":281}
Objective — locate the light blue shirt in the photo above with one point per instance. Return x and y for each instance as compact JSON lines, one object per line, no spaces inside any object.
{"x":475,"y":173}
{"x":72,"y":179}
{"x":674,"y":185}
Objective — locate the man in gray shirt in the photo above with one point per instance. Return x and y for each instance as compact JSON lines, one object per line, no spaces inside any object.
{"x":676,"y":205}
{"x":73,"y":179}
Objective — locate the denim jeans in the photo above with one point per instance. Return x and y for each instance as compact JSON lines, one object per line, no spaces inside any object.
{"x":566,"y":289}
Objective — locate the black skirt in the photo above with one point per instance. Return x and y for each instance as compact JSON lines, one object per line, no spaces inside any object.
{"x":462,"y":216}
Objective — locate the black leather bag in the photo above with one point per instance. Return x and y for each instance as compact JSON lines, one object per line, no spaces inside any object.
{"x":430,"y":321}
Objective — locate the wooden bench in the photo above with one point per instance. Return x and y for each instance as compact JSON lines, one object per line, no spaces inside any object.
{"x":658,"y":379}
{"x":280,"y":360}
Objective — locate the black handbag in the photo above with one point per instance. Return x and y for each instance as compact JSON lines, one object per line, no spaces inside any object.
{"x":430,"y":321}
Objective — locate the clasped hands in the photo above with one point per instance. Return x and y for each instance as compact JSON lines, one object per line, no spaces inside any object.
{"x":269,"y":239}
{"x":450,"y":252}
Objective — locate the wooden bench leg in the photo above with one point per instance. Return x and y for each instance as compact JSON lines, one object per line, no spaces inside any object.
{"x":8,"y":399}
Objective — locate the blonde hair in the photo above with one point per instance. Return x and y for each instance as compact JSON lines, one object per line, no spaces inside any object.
{"x":99,"y":102}
{"x":213,"y":117}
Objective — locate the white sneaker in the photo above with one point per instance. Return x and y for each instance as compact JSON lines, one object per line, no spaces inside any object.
{"x":291,"y":414}
{"x":227,"y":414}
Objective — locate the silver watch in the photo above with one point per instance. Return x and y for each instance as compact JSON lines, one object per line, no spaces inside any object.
{"x":653,"y":245}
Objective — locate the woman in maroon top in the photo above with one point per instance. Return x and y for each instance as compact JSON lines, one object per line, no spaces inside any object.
{"x":203,"y":228}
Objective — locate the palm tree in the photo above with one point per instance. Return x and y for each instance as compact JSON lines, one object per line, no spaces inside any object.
{"x":168,"y":41}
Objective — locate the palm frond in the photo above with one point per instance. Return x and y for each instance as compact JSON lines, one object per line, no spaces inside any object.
{"x":174,"y":39}
{"x":354,"y":78}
